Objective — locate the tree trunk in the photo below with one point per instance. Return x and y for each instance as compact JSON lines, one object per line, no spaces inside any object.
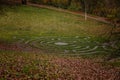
{"x":85,"y":4}
{"x":69,"y":2}
{"x":24,"y":2}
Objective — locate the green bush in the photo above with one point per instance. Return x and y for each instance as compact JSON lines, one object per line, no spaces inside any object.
{"x":75,"y":6}
{"x":60,"y":3}
{"x":37,"y":1}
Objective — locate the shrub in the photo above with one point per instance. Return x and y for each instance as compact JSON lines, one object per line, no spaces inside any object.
{"x":75,"y":6}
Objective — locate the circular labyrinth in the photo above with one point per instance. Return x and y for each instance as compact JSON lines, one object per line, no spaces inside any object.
{"x":81,"y":45}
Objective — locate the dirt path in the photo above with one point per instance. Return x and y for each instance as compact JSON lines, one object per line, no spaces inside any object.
{"x":97,"y":18}
{"x":18,"y":47}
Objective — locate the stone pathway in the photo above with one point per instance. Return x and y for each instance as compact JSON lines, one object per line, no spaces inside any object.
{"x":81,"y":45}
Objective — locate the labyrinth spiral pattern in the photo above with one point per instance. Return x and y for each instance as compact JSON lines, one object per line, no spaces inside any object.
{"x":81,"y":45}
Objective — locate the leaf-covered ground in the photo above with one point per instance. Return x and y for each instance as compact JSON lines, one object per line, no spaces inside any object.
{"x":42,"y":66}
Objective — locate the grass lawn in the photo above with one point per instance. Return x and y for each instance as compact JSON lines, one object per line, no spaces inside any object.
{"x":44,"y":28}
{"x":52,"y":33}
{"x":29,"y":21}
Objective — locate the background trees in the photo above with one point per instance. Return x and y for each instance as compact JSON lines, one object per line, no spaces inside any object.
{"x":105,"y":8}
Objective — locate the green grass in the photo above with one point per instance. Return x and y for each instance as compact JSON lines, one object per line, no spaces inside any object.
{"x":37,"y":27}
{"x":42,"y":28}
{"x":31,"y":21}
